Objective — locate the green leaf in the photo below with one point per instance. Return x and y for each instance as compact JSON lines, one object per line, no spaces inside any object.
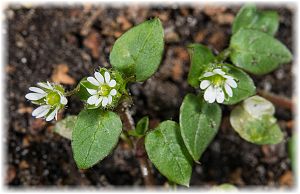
{"x":65,"y":126}
{"x":142,"y":125}
{"x":95,"y":134}
{"x":167,"y":152}
{"x":200,"y":57}
{"x":82,"y":93}
{"x":138,"y":52}
{"x":257,"y":52}
{"x":258,"y":125}
{"x":249,"y":17}
{"x":199,"y":123}
{"x":245,"y":85}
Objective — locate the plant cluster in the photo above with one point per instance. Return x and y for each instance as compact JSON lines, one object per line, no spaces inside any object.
{"x":173,"y":147}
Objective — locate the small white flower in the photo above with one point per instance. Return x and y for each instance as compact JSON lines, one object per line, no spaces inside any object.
{"x":50,"y":97}
{"x":216,"y":85}
{"x":105,"y":89}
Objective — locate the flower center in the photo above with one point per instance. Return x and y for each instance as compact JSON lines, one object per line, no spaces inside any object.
{"x":217,"y":80}
{"x":104,"y":90}
{"x":53,"y":98}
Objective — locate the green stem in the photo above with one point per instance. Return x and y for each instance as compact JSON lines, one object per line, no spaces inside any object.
{"x":222,"y":56}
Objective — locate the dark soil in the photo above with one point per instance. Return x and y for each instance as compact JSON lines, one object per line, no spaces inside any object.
{"x":81,"y":37}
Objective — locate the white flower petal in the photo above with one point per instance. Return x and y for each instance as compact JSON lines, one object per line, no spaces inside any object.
{"x":45,"y":111}
{"x":63,"y":100}
{"x":98,"y":101}
{"x":104,"y":101}
{"x":99,"y":77}
{"x":228,"y":90}
{"x":220,"y":95}
{"x":210,"y":94}
{"x":112,"y":83}
{"x":43,"y":85}
{"x":37,"y":90}
{"x":39,"y":110}
{"x":113,"y":92}
{"x":34,"y":96}
{"x":49,"y":85}
{"x":93,"y":81}
{"x":228,"y":76}
{"x":92,"y":100}
{"x":109,"y":99}
{"x":219,"y":71}
{"x":107,"y":77}
{"x":52,"y":115}
{"x":208,"y":74}
{"x":231,"y":83}
{"x":91,"y":91}
{"x":204,"y":84}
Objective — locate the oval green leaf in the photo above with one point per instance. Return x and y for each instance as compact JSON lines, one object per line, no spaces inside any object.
{"x":167,"y":152}
{"x":245,"y":85}
{"x":95,"y":134}
{"x":199,"y":123}
{"x":250,"y":17}
{"x":138,"y":52}
{"x":259,"y":130}
{"x":200,"y":57}
{"x":257,"y":52}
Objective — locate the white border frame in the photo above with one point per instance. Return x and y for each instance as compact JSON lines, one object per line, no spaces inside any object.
{"x":5,"y":3}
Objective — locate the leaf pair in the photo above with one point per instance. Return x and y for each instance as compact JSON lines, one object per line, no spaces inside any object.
{"x":172,"y":148}
{"x":253,"y":47}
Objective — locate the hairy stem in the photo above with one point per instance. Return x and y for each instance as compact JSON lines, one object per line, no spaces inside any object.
{"x":138,"y":149}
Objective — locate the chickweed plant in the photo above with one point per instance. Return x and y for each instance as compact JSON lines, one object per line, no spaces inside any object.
{"x":220,"y":80}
